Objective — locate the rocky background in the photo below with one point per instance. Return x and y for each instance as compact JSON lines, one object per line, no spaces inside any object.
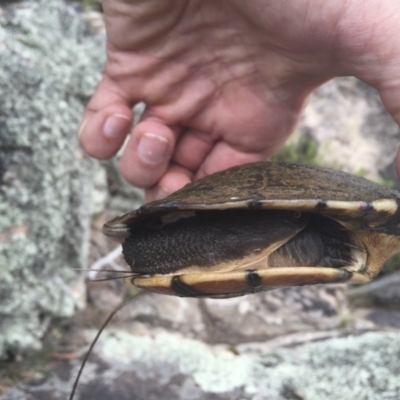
{"x":312,"y":343}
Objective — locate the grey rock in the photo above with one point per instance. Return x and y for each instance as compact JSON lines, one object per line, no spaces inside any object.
{"x":170,"y":367}
{"x":384,"y":291}
{"x":354,"y":131}
{"x":49,"y":65}
{"x":271,"y":314}
{"x":260,"y":317}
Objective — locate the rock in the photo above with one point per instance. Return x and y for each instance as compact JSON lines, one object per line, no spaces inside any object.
{"x":381,"y":292}
{"x":168,"y":367}
{"x":161,"y":347}
{"x":353,"y":130}
{"x":276,"y":313}
{"x":49,"y":66}
{"x":260,"y":317}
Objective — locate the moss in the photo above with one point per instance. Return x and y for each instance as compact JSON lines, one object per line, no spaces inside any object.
{"x":300,"y":149}
{"x":90,"y":4}
{"x":131,"y":292}
{"x":388,"y":183}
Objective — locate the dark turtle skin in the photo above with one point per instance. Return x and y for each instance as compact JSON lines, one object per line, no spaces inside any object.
{"x":260,"y":226}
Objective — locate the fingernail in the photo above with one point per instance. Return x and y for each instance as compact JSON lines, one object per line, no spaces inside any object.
{"x":152,"y":148}
{"x":116,"y":125}
{"x":83,"y":126}
{"x":161,"y":193}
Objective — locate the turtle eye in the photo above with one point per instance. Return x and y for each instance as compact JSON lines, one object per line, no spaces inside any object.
{"x":294,"y":215}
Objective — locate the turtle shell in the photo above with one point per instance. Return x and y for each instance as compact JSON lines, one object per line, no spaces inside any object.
{"x":357,"y":203}
{"x":258,"y":227}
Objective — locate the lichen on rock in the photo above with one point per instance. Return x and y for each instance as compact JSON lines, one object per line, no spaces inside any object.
{"x":362,"y":367}
{"x":49,"y":66}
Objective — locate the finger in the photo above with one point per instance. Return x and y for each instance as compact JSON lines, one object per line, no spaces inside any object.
{"x":106,"y":121}
{"x":148,"y":153}
{"x":174,"y":179}
{"x":224,"y":156}
{"x":192,"y":149}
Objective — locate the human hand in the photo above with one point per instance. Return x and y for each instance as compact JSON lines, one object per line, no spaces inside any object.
{"x":224,"y":82}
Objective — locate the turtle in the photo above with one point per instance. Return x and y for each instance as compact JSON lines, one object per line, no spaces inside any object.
{"x":258,"y":227}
